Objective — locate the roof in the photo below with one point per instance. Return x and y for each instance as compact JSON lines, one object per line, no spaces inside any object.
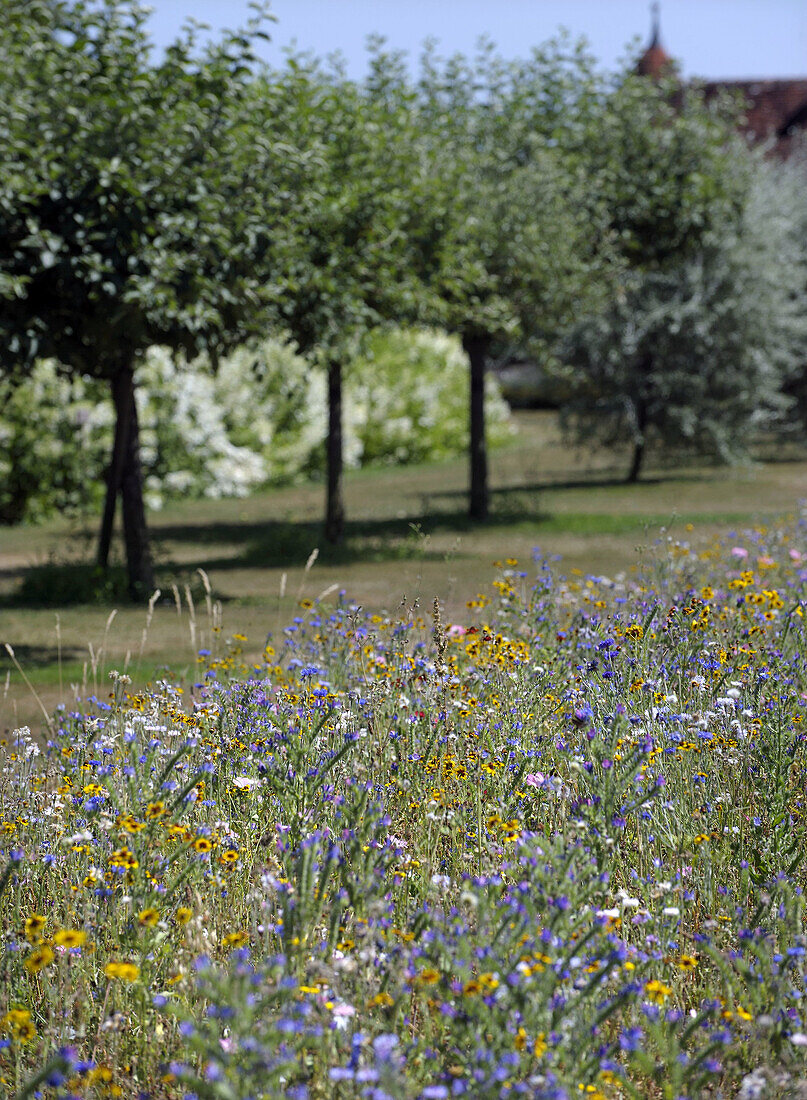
{"x":774,"y":108}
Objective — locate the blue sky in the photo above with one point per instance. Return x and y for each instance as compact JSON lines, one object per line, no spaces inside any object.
{"x":710,"y":38}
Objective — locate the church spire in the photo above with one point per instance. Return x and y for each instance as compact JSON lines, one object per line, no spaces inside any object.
{"x":655,"y":15}
{"x":655,"y":62}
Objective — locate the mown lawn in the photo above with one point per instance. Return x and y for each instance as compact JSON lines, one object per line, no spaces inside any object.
{"x":408,"y":539}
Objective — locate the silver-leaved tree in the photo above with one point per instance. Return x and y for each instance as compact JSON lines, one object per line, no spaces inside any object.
{"x":704,"y":324}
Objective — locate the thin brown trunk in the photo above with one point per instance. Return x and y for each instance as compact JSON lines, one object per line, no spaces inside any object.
{"x":113,"y":481}
{"x":476,"y":348}
{"x":140,"y":569}
{"x":636,"y":464}
{"x":335,"y":504}
{"x":639,"y":444}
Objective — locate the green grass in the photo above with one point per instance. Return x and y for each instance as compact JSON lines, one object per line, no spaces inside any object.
{"x":417,"y":856}
{"x":408,"y":539}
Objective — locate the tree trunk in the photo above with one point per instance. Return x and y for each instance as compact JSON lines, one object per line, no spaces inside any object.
{"x":636,"y":464}
{"x":335,"y":505}
{"x":639,"y":445}
{"x":113,"y":481}
{"x":476,"y":348}
{"x":139,"y":567}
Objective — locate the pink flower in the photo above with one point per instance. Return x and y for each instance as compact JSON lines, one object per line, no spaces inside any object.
{"x":535,"y":779}
{"x":739,"y":552}
{"x":455,"y":631}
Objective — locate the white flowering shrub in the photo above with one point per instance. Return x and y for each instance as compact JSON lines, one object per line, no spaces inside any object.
{"x":409,"y":397}
{"x":186,"y":448}
{"x":259,"y":419}
{"x":54,"y":442}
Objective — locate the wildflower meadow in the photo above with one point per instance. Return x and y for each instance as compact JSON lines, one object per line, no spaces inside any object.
{"x":554,"y":850}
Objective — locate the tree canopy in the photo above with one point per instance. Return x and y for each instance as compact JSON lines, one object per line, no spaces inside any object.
{"x":134,"y":209}
{"x":702,"y":325}
{"x":198,"y":201}
{"x":343,"y":271}
{"x":513,"y":237}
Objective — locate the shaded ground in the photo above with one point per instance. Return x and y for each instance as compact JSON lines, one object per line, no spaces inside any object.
{"x":407,"y":539}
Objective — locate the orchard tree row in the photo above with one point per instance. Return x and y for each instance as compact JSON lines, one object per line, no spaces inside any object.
{"x":200,"y":200}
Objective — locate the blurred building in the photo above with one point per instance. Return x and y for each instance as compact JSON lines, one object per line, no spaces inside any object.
{"x":775,"y":110}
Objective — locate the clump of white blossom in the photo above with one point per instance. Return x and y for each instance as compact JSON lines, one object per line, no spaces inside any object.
{"x":258,"y":420}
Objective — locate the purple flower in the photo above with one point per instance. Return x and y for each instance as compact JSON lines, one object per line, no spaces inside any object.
{"x":631,"y":1039}
{"x":384,"y":1045}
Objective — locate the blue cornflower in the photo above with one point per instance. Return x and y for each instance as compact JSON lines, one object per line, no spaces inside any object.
{"x":631,"y":1039}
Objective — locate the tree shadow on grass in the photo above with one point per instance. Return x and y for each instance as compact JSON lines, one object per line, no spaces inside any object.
{"x":288,"y":543}
{"x":68,"y":583}
{"x":285,"y":540}
{"x":13,"y":572}
{"x":39,"y":656}
{"x":514,"y":503}
{"x":275,"y":543}
{"x":591,"y":482}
